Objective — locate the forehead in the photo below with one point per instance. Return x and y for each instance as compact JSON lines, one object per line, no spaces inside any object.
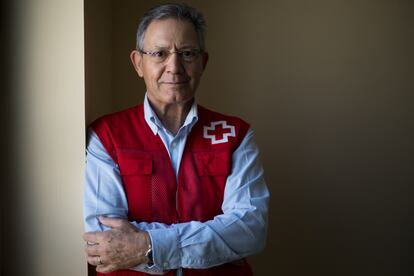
{"x":169,"y":33}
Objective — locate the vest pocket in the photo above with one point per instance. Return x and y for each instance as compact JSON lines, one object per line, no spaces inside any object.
{"x":136,"y":168}
{"x":135,"y":163}
{"x":213,"y":163}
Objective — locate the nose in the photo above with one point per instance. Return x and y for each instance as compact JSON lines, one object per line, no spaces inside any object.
{"x":174,"y":64}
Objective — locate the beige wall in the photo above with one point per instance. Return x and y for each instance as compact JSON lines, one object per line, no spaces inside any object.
{"x":43,"y":197}
{"x":328,"y":88}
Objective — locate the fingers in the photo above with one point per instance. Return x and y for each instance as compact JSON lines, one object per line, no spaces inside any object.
{"x":93,"y":250}
{"x":106,"y":268}
{"x":107,"y":245}
{"x":112,"y":222}
{"x":101,"y":265}
{"x":92,"y":237}
{"x":95,"y":260}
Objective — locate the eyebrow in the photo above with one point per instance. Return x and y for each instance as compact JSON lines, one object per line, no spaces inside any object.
{"x":160,"y":47}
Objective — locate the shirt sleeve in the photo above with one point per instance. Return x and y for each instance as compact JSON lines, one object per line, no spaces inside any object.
{"x":214,"y":242}
{"x":196,"y":244}
{"x":104,"y":193}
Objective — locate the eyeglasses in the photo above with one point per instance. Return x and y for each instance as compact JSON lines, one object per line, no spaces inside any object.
{"x":188,"y":55}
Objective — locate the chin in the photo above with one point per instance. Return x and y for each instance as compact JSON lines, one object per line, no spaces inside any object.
{"x":177,"y":96}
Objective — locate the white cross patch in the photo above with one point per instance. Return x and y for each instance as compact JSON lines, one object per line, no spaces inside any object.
{"x":231,"y":132}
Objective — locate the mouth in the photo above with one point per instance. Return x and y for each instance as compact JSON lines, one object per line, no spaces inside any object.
{"x":175,"y":82}
{"x":178,"y":81}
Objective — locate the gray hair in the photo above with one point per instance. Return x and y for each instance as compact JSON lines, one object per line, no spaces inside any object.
{"x":177,"y":11}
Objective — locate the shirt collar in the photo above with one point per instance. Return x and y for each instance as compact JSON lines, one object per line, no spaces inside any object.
{"x":155,"y":124}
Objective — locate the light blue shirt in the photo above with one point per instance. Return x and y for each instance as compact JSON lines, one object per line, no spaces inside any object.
{"x":239,"y":232}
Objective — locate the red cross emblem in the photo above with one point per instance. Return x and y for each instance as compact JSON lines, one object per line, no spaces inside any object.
{"x":219,"y":132}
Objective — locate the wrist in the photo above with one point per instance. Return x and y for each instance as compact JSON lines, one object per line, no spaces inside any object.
{"x":148,"y":252}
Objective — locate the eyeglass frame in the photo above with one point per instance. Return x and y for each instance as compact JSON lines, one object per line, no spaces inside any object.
{"x":178,"y":52}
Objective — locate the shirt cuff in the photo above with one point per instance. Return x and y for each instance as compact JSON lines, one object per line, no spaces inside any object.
{"x":166,"y":253}
{"x":150,"y":270}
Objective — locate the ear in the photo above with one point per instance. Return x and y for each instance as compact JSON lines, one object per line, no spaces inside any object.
{"x":136,"y":59}
{"x":205,"y":60}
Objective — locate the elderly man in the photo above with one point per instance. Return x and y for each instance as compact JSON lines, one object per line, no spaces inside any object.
{"x":172,"y":187}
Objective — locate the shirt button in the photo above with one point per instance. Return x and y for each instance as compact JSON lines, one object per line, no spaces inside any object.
{"x":166,"y":265}
{"x":173,"y":144}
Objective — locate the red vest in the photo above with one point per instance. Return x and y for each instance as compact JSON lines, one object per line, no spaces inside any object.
{"x":152,"y":190}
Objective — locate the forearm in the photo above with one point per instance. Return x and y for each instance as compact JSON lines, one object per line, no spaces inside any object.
{"x":240,"y":231}
{"x":237,"y":233}
{"x":103,"y":193}
{"x":192,"y":244}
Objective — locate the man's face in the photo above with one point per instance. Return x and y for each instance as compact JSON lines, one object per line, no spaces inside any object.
{"x":174,"y":80}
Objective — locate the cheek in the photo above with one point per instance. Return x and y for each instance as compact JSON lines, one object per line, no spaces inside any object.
{"x":195,"y":72}
{"x":154,"y":75}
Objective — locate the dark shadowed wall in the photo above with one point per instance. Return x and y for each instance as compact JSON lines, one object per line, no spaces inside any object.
{"x":328,"y":88}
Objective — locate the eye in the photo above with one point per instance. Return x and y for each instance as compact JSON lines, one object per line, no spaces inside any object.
{"x":188,"y":53}
{"x":159,"y":54}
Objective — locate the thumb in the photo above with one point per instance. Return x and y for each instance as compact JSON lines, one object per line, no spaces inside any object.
{"x":111,"y":222}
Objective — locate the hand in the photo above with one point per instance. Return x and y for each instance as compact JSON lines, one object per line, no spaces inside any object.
{"x":122,"y":247}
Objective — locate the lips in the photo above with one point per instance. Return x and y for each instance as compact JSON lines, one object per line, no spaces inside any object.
{"x":175,"y":82}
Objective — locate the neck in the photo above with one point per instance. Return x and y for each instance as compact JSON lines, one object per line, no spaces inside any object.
{"x":172,"y":116}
